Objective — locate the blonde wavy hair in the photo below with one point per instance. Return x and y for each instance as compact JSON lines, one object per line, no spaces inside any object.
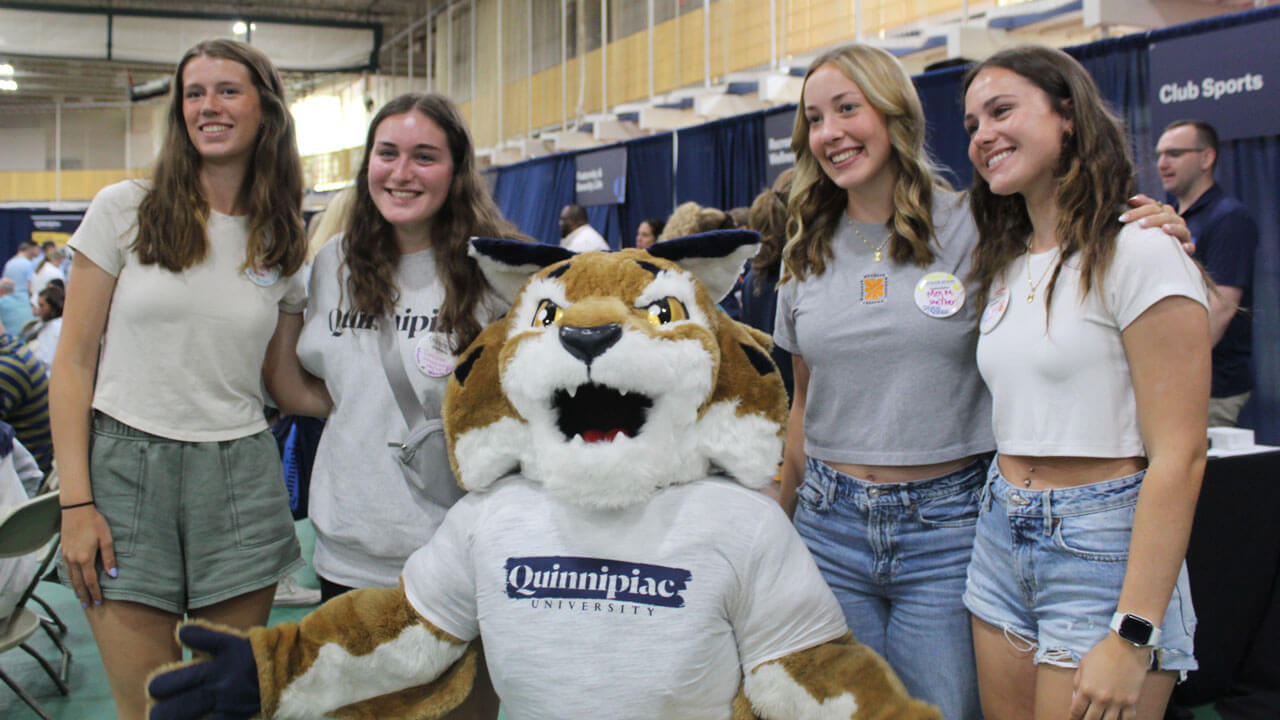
{"x":690,"y":218}
{"x":816,"y":203}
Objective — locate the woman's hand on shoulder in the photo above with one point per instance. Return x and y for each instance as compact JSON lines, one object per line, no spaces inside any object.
{"x":84,"y":535}
{"x":1109,"y":680}
{"x":1148,"y":212}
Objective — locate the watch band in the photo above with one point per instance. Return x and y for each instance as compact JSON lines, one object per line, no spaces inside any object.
{"x":1135,"y":629}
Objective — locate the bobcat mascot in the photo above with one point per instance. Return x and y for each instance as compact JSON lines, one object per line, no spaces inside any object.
{"x":613,"y":554}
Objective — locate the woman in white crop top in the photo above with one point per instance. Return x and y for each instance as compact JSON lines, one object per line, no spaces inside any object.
{"x":1095,"y":345}
{"x":173,"y":500}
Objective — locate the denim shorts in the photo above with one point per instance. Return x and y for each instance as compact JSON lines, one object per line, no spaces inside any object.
{"x":193,"y":523}
{"x":1048,"y":566}
{"x":895,"y":556}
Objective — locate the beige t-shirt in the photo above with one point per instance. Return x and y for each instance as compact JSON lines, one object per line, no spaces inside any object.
{"x":182,"y":352}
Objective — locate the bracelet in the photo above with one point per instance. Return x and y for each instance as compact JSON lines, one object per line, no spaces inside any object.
{"x":77,"y":505}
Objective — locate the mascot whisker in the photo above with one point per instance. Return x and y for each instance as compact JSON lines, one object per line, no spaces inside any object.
{"x":613,"y":554}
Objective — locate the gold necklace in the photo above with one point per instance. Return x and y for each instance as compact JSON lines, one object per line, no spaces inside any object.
{"x":875,"y":251}
{"x":1031,"y":287}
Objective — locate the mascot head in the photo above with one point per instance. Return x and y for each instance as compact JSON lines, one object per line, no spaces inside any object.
{"x":615,"y":374}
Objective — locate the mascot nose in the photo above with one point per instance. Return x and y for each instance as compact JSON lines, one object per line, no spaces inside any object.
{"x":588,"y":343}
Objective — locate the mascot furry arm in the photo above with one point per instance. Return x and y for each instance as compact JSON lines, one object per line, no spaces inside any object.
{"x":613,"y":555}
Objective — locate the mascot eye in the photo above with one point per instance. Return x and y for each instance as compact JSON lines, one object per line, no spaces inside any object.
{"x":548,"y":313}
{"x":665,"y":311}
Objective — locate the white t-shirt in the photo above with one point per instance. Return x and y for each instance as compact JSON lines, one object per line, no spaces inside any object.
{"x":1066,"y":390}
{"x":47,"y":340}
{"x":367,"y":519}
{"x":182,"y":352}
{"x":584,"y":239}
{"x":40,"y":279}
{"x":650,"y":611}
{"x":15,"y":572}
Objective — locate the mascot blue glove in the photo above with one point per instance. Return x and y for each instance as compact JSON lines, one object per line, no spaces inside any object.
{"x":224,"y":687}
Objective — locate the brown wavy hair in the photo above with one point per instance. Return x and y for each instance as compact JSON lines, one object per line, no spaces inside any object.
{"x":817,"y":203}
{"x":768,"y":216}
{"x":172,"y":215}
{"x":369,"y":250}
{"x":1093,"y":177}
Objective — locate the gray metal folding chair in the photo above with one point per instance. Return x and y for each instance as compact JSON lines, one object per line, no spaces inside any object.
{"x":26,"y":528}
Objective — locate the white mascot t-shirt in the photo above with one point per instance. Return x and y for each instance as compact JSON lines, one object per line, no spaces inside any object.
{"x":649,"y":611}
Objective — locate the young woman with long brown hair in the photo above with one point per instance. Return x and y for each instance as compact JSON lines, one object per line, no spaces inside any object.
{"x":402,"y":260}
{"x":1095,"y":345}
{"x":172,"y":492}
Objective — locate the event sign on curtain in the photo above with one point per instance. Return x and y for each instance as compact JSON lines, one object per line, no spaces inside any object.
{"x":600,"y":177}
{"x":1229,"y":77}
{"x":777,"y":143}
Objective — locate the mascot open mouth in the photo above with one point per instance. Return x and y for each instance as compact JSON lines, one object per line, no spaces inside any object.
{"x":598,"y":413}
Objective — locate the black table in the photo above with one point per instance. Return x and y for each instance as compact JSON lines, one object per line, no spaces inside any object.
{"x":1234,"y":565}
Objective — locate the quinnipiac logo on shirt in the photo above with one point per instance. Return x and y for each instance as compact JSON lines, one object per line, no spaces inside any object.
{"x":595,"y":579}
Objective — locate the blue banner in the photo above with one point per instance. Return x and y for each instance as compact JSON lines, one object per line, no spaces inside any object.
{"x":600,"y":178}
{"x":1229,"y":78}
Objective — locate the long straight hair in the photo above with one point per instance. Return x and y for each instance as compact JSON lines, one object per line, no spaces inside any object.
{"x":1093,"y":177}
{"x":816,"y":203}
{"x":173,"y":214}
{"x":369,"y":250}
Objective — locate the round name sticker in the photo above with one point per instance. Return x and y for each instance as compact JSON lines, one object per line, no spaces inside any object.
{"x":263,"y":277}
{"x":994,"y":310}
{"x":939,"y":295}
{"x":433,"y":357}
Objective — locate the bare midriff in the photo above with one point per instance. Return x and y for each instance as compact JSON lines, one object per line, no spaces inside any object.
{"x":900,"y":473}
{"x":1047,"y":473}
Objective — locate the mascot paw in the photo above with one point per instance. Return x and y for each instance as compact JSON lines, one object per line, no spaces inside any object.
{"x":224,"y":686}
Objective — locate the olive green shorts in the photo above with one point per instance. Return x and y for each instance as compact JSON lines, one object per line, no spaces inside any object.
{"x":193,"y":523}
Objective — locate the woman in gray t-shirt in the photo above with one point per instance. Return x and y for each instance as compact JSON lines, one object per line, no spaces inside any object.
{"x":888,"y":459}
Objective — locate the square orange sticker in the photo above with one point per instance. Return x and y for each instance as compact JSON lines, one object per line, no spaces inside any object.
{"x":874,"y":288}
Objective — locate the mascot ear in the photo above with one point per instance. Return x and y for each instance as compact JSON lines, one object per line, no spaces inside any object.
{"x":715,"y":257}
{"x":508,"y":264}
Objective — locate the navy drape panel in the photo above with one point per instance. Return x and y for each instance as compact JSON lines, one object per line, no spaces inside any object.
{"x":944,"y":115}
{"x":650,"y":184}
{"x":532,"y":193}
{"x":721,"y":164}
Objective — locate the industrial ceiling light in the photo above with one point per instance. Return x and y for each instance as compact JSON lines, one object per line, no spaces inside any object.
{"x":6,"y":70}
{"x":8,"y":85}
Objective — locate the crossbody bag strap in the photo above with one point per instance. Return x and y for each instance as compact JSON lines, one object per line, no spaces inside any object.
{"x":393,"y":366}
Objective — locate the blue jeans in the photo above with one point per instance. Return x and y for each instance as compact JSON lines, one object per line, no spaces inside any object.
{"x":1048,"y":566}
{"x":895,"y":555}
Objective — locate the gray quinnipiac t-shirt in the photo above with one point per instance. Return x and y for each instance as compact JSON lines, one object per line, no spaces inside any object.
{"x":889,"y":383}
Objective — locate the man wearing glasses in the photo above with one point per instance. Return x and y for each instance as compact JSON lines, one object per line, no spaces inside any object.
{"x":1225,"y":237}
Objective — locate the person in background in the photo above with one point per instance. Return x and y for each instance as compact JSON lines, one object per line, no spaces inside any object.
{"x":20,"y":266}
{"x":1095,"y":345}
{"x":1226,"y":240}
{"x":768,"y":216}
{"x":648,"y":231}
{"x":177,"y":288}
{"x":15,"y":310}
{"x":576,"y":233}
{"x":47,"y":268}
{"x":16,"y":573}
{"x":42,"y":334}
{"x":24,"y":397}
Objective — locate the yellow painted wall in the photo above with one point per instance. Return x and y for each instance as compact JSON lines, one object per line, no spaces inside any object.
{"x":41,"y":185}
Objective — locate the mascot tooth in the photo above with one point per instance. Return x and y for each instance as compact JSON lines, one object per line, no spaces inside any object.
{"x":612,"y":555}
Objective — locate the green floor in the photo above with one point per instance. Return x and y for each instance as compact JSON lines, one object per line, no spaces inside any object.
{"x":90,"y":698}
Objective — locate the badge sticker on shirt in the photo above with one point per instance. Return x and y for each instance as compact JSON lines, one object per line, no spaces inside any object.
{"x":263,"y":277}
{"x":874,"y":288}
{"x":433,"y":356}
{"x":995,"y":310}
{"x":939,"y":295}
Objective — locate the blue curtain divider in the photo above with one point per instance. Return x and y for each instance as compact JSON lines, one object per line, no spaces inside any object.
{"x":722,"y":163}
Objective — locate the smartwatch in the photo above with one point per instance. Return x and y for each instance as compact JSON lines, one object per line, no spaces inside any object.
{"x":1135,"y":629}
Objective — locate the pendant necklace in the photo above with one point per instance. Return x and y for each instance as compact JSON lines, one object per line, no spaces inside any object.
{"x":875,"y":251}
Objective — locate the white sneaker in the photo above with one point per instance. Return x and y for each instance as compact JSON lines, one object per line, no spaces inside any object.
{"x":290,"y":594}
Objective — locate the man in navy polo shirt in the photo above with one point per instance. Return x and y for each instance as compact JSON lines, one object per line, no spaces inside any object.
{"x":1226,"y":237}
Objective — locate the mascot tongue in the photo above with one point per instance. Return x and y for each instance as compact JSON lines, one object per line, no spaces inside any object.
{"x":593,"y":436}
